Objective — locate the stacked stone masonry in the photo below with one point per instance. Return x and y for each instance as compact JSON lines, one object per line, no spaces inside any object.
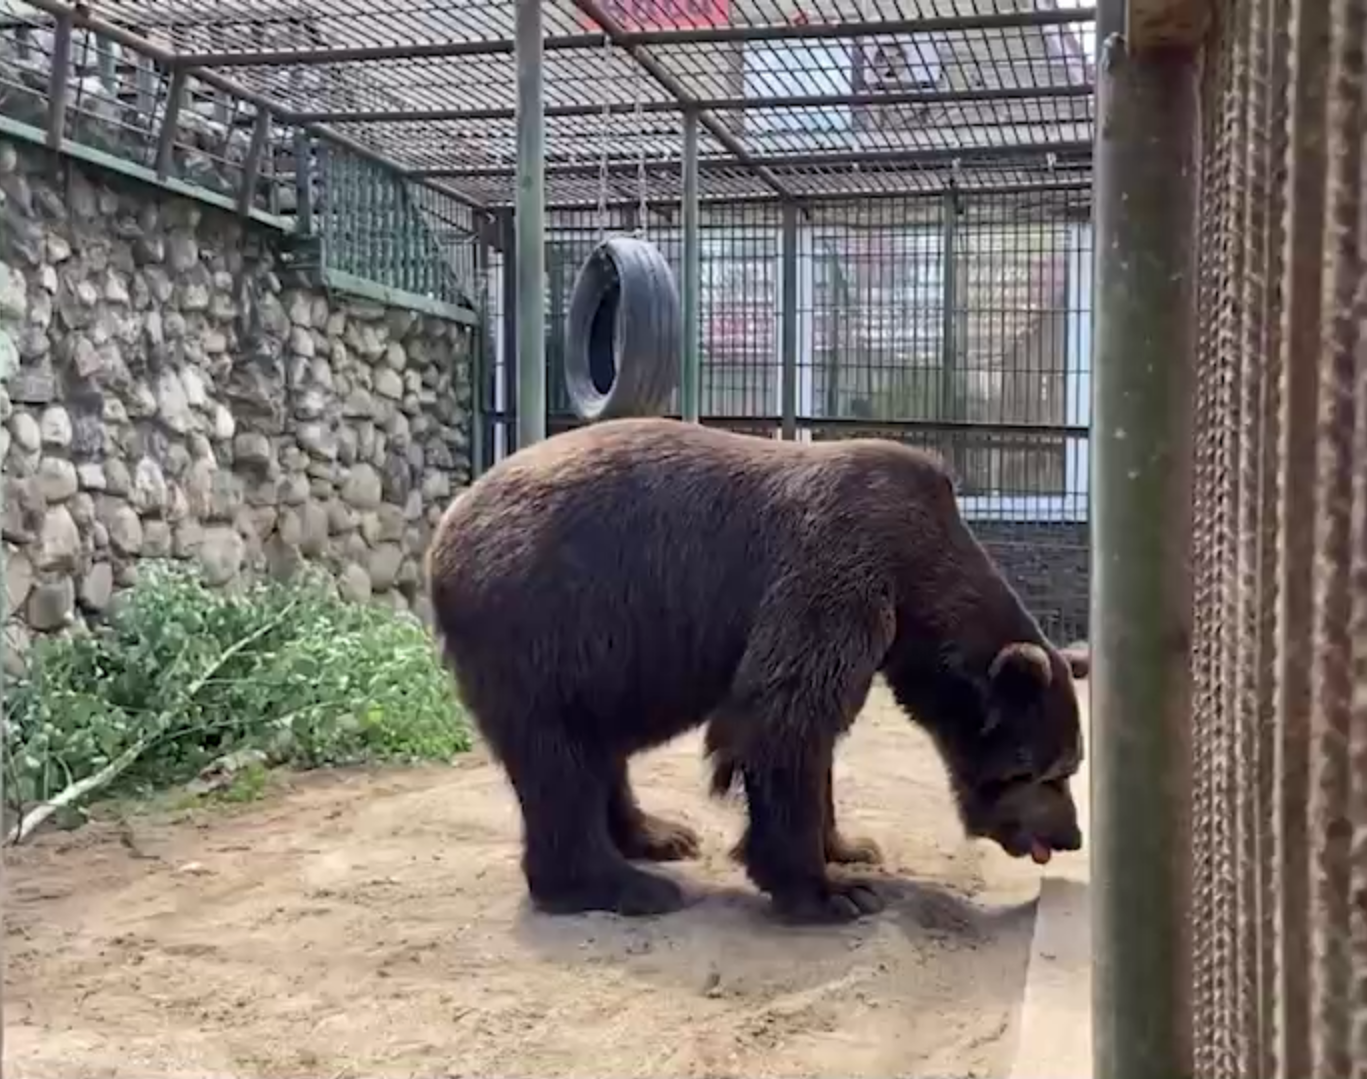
{"x":167,"y":395}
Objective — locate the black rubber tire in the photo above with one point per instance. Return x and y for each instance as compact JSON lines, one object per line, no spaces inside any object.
{"x":622,"y":332}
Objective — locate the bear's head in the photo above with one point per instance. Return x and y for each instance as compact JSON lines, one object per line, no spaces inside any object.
{"x":1012,"y":760}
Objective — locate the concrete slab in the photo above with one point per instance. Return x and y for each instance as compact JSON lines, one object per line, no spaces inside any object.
{"x":1055,"y":1039}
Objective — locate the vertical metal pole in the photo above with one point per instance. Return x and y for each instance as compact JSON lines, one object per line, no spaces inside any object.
{"x":59,"y":81}
{"x":145,"y":83}
{"x":481,"y":369}
{"x":949,"y":316}
{"x":170,"y":119}
{"x":303,"y":183}
{"x":690,"y":381}
{"x":105,"y":62}
{"x":531,"y":226}
{"x":511,"y":402}
{"x":837,"y":330}
{"x":251,"y":167}
{"x":1145,"y":192}
{"x":788,"y":320}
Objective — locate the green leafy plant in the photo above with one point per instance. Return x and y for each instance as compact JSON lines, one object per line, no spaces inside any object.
{"x":182,"y":674}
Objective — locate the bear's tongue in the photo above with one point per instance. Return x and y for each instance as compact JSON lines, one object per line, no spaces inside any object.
{"x":1040,"y":853}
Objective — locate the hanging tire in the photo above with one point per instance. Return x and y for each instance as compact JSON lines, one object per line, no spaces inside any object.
{"x":622,"y":332}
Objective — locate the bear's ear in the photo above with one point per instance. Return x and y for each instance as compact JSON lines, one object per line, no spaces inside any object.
{"x":1016,"y":680}
{"x":1021,"y":668}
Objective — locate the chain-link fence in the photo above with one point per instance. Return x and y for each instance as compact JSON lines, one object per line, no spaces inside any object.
{"x":1279,"y":813}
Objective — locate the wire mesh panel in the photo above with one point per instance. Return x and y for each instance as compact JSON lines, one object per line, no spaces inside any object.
{"x":1280,"y":649}
{"x":960,"y":322}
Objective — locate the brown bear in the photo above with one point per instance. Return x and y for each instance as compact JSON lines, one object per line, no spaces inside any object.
{"x":603,"y":591}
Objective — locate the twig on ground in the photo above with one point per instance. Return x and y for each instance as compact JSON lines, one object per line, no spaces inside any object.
{"x":27,"y":824}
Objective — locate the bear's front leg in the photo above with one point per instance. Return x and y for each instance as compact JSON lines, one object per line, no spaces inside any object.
{"x":806,"y":672}
{"x":785,"y":845}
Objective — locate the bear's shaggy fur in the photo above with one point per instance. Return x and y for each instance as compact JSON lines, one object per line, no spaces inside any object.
{"x":603,"y":591}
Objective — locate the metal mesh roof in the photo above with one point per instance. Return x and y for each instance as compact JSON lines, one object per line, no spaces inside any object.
{"x":802,"y":97}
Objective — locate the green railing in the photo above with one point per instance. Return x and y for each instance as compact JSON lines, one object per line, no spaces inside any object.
{"x":412,"y":243}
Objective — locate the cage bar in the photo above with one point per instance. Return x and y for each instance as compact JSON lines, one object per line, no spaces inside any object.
{"x":1141,"y":530}
{"x":530,"y":223}
{"x":690,"y":381}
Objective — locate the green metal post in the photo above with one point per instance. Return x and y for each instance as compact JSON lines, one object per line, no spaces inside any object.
{"x":481,"y":366}
{"x":303,"y":182}
{"x":59,"y":81}
{"x":1145,"y":193}
{"x":251,"y":166}
{"x":788,"y":321}
{"x":145,"y":84}
{"x":367,"y":225}
{"x":531,"y":226}
{"x":508,"y":245}
{"x":170,"y":118}
{"x":558,"y":257}
{"x":105,"y":63}
{"x":690,"y":382}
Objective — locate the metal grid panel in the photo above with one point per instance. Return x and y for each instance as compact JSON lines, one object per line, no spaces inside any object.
{"x":329,"y":24}
{"x":988,"y":363}
{"x":931,"y":87}
{"x":1280,"y":655}
{"x":455,"y":85}
{"x":574,"y":144}
{"x":1034,"y":57}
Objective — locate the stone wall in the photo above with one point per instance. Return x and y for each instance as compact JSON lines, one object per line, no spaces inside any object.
{"x":167,"y":394}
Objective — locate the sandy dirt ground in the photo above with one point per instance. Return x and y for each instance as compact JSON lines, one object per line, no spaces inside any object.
{"x":375,"y":925}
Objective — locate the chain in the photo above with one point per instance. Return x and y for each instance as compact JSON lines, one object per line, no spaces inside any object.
{"x":607,"y":145}
{"x":641,"y":160}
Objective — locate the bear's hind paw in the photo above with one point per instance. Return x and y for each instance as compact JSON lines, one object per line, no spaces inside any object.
{"x":834,"y":901}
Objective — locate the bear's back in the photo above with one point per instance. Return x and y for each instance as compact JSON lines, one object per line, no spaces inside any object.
{"x":630,"y":558}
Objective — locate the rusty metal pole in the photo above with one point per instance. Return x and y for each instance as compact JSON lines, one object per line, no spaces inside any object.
{"x":1145,"y":195}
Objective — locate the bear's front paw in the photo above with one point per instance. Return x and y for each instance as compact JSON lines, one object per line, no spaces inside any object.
{"x":832,"y":901}
{"x":842,"y":850}
{"x":628,"y":892}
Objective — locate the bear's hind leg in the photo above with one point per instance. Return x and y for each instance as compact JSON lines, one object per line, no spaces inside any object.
{"x":569,"y":858}
{"x":643,"y":836}
{"x":784,"y":846}
{"x":842,"y":850}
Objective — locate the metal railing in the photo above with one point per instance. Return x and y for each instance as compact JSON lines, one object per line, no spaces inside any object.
{"x":98,"y":92}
